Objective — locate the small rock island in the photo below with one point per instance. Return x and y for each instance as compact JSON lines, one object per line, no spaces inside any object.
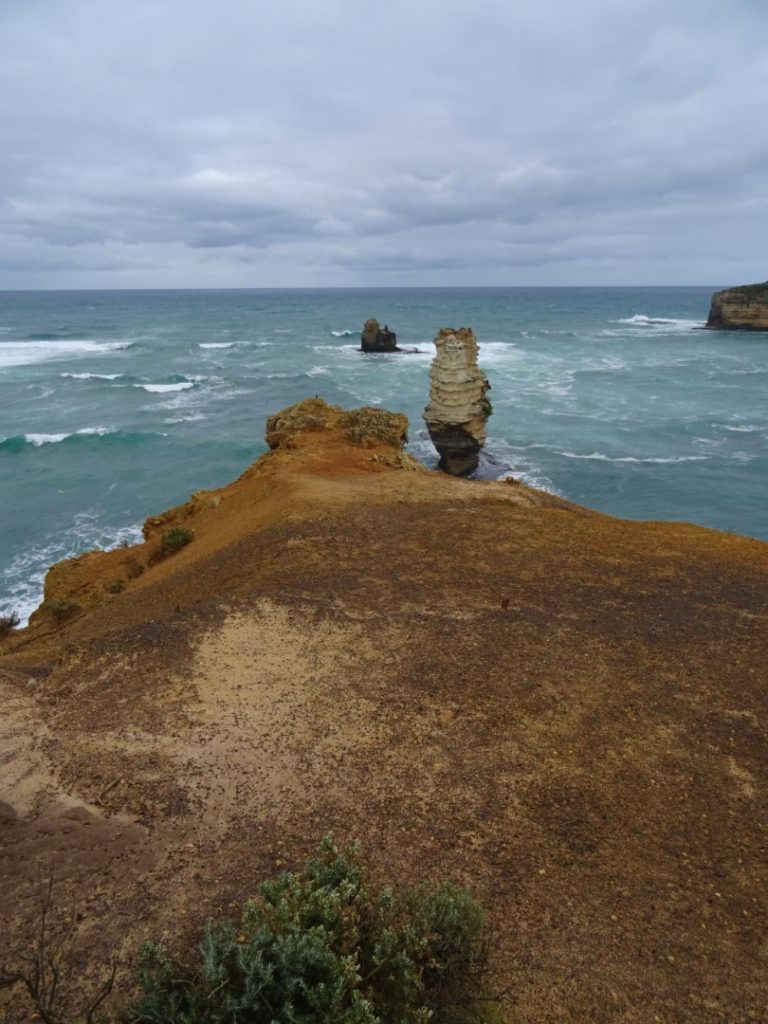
{"x":743,"y":308}
{"x":375,"y":338}
{"x":458,"y":409}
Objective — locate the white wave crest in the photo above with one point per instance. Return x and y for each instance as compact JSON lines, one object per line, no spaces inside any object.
{"x":641,"y":320}
{"x":344,"y":334}
{"x":22,"y":353}
{"x":162,"y":389}
{"x":40,"y":439}
{"x":217,"y":344}
{"x":92,"y":376}
{"x":600,"y":457}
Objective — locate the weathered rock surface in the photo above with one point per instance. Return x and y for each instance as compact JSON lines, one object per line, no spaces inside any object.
{"x":744,"y":308}
{"x":367,"y":427}
{"x":458,"y":409}
{"x":375,"y":338}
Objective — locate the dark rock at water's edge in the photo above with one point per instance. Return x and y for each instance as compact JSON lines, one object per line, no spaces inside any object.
{"x":743,"y":308}
{"x":375,"y":338}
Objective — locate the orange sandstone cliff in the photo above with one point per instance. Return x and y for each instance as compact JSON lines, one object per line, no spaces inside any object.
{"x":744,"y":308}
{"x":564,"y":711}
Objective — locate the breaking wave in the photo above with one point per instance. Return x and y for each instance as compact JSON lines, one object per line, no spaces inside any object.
{"x":600,"y":457}
{"x":640,"y":320}
{"x":22,"y":442}
{"x":92,"y":376}
{"x":162,"y":389}
{"x":22,"y":353}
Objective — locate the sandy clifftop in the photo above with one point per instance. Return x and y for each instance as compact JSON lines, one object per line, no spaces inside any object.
{"x":562,"y":710}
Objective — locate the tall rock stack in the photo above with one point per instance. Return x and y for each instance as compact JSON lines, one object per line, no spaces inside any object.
{"x":458,"y":409}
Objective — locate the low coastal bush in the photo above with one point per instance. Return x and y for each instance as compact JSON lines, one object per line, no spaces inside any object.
{"x":62,"y":609}
{"x":8,"y":622}
{"x":133,"y":568}
{"x":174,"y":540}
{"x":323,"y":946}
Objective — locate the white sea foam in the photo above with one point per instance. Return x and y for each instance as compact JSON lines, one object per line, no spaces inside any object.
{"x":98,"y":431}
{"x":22,"y":353}
{"x":600,"y":457}
{"x":344,"y":334}
{"x":162,"y":389}
{"x":217,"y":344}
{"x":318,"y":371}
{"x":747,"y":428}
{"x":641,"y":320}
{"x":189,"y":418}
{"x":40,"y":439}
{"x":92,"y":376}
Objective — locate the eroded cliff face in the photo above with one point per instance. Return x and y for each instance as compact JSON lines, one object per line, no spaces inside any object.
{"x":458,"y":409}
{"x":310,"y":440}
{"x":744,"y":308}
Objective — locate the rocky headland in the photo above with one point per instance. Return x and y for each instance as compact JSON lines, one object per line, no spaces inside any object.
{"x":563,"y":711}
{"x":743,"y":308}
{"x":458,"y":408}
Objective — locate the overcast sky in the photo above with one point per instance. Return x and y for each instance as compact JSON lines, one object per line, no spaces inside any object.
{"x":263,"y":143}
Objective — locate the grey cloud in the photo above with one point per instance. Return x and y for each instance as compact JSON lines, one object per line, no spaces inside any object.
{"x":184,"y":143}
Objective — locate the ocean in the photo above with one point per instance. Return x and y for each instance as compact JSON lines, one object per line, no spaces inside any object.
{"x":116,"y":405}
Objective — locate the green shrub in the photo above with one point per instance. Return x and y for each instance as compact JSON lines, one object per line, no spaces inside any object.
{"x":62,"y":609}
{"x":133,"y":568}
{"x":8,"y":622}
{"x":116,"y":587}
{"x":322,"y":947}
{"x":174,"y":540}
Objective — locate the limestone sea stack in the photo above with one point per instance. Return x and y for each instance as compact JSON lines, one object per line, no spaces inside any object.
{"x":744,"y":308}
{"x":375,"y":338}
{"x":458,"y":409}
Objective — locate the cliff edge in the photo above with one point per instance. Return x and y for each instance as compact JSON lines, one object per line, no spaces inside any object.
{"x":744,"y":308}
{"x":563,"y":711}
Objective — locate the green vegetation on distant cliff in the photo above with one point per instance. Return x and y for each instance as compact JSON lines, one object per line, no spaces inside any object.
{"x":324,"y":946}
{"x":750,"y":290}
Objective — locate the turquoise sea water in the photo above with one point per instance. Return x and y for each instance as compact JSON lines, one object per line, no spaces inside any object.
{"x":116,"y":405}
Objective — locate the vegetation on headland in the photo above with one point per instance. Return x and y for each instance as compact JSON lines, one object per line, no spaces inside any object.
{"x":174,"y":540}
{"x":8,"y":622}
{"x":313,"y":947}
{"x":750,"y":290}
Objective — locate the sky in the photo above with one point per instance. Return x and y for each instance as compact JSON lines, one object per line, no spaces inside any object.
{"x":341,"y":143}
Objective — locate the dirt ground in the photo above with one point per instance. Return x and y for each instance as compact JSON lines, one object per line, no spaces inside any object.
{"x":563,"y":711}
